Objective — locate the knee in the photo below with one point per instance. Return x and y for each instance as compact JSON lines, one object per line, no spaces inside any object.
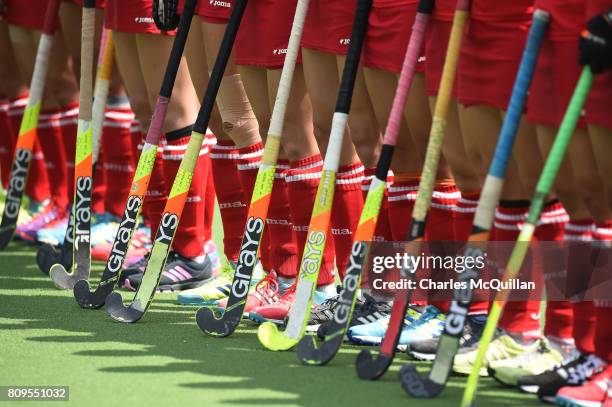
{"x":238,"y":120}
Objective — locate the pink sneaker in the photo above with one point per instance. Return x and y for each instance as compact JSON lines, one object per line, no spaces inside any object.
{"x":265,"y":292}
{"x":274,"y":312}
{"x":591,"y":394}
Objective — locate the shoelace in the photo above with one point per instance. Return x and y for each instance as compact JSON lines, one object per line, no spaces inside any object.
{"x":583,"y":370}
{"x":268,"y":286}
{"x":289,"y":294}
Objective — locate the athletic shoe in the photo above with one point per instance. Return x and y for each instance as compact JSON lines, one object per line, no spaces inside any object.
{"x":276,"y":311}
{"x":426,"y":348}
{"x":573,"y":373}
{"x":54,"y":232}
{"x":265,"y":291}
{"x":373,"y":333}
{"x":504,"y":347}
{"x":430,"y":325}
{"x":138,"y":267}
{"x":139,"y":246}
{"x":104,"y":229}
{"x":29,"y":211}
{"x":507,"y":371}
{"x":210,"y":248}
{"x":47,"y":215}
{"x":591,"y":394}
{"x":366,"y":310}
{"x":179,"y":274}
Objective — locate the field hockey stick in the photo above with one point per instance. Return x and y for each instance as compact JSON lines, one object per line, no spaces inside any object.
{"x":47,"y":255}
{"x":307,"y":350}
{"x":83,"y":162}
{"x":262,"y":191}
{"x":140,"y":183}
{"x":367,"y":367}
{"x":27,"y":130}
{"x":547,"y":178}
{"x":312,"y":257}
{"x":180,"y":188}
{"x":434,"y":383}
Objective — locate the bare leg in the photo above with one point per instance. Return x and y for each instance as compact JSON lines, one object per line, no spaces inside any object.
{"x":601,"y":138}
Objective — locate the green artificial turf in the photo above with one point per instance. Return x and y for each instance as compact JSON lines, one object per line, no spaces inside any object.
{"x":164,"y":359}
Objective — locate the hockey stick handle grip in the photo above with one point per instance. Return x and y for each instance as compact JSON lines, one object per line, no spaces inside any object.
{"x":87,"y":63}
{"x":277,"y":120}
{"x":405,"y":80}
{"x":426,"y":6}
{"x":216,"y":75}
{"x":360,"y":25}
{"x":106,"y":57}
{"x":50,"y":22}
{"x":178,"y":47}
{"x":105,"y":67}
{"x":438,"y":126}
{"x":493,"y":186}
{"x":89,"y":3}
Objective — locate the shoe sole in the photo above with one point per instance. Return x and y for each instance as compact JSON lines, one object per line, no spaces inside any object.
{"x":566,"y":402}
{"x":427,"y":357}
{"x":533,"y":389}
{"x":183,"y":285}
{"x":257,"y":318}
{"x":196,"y":301}
{"x":492,"y":374}
{"x":312,"y":328}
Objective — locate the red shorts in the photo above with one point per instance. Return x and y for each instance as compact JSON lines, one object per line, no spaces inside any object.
{"x":438,"y":33}
{"x":387,"y":38}
{"x":490,"y":56}
{"x":553,"y":83}
{"x":27,"y":13}
{"x":328,"y":25}
{"x":598,"y":104}
{"x":264,"y":33}
{"x":214,"y":11}
{"x":131,"y":16}
{"x":566,"y":17}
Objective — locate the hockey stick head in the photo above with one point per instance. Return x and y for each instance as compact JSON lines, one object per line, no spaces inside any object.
{"x":6,"y":234}
{"x":417,"y":386}
{"x":87,"y":299}
{"x":273,"y":339}
{"x":61,"y":278}
{"x":47,"y":256}
{"x":369,"y":368}
{"x":119,"y":312}
{"x":310,"y":354}
{"x":221,"y":326}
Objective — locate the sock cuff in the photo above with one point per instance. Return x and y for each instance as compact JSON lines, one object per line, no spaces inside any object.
{"x":603,"y":230}
{"x":578,"y":230}
{"x":350,"y":177}
{"x":312,"y":161}
{"x":403,"y":190}
{"x":445,"y":195}
{"x":249,"y":157}
{"x":407,"y":177}
{"x":70,"y":109}
{"x":177,"y":136}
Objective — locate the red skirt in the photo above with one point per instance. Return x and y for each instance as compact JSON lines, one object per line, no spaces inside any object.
{"x":214,"y":11}
{"x":131,"y":16}
{"x":436,"y":42}
{"x":27,"y":13}
{"x":328,"y":25}
{"x":387,"y":38}
{"x":100,"y":4}
{"x":490,"y":56}
{"x":264,"y":33}
{"x":598,"y":104}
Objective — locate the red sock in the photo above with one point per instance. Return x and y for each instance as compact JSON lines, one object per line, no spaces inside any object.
{"x":465,"y":209}
{"x":302,"y":182}
{"x":583,"y":328}
{"x":58,"y":165}
{"x":117,"y":142}
{"x":249,"y":159}
{"x":7,"y":142}
{"x":38,"y":182}
{"x":68,"y":124}
{"x":284,"y":256}
{"x":155,"y":198}
{"x":603,"y":330}
{"x":209,"y":195}
{"x":441,"y":219}
{"x":559,"y":314}
{"x":519,"y":316}
{"x":383,"y":224}
{"x":402,"y":194}
{"x":346,"y":210}
{"x":224,"y":157}
{"x":189,"y":237}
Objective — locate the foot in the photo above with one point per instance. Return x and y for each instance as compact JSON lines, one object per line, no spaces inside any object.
{"x":573,"y":373}
{"x":593,"y":393}
{"x":430,"y":325}
{"x":504,"y":347}
{"x":54,"y":232}
{"x":366,"y":310}
{"x":266,"y":291}
{"x":373,"y":333}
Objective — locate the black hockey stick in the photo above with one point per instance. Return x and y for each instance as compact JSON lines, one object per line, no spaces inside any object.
{"x":178,"y":194}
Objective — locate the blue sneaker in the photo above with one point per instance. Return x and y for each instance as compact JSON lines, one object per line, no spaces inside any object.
{"x":373,"y":333}
{"x":429,"y":326}
{"x":103,"y":229}
{"x":54,"y":233}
